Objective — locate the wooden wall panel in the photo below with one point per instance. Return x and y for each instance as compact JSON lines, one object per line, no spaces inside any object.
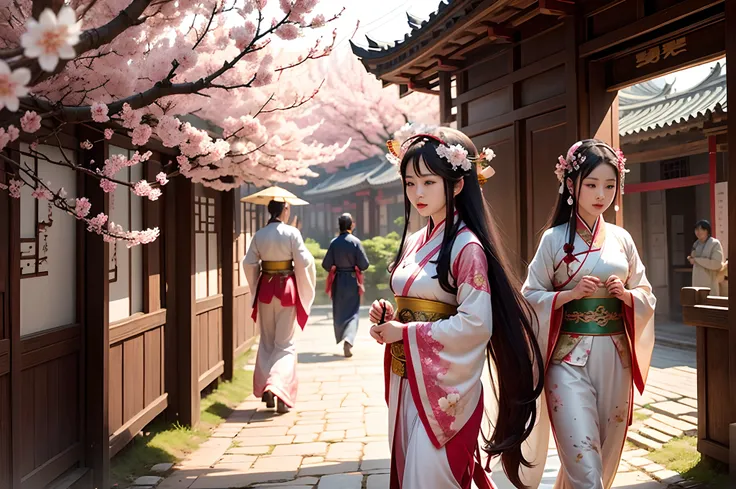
{"x":133,"y":377}
{"x":491,"y":105}
{"x":716,"y":371}
{"x":5,"y":447}
{"x":541,"y":46}
{"x":49,"y":422}
{"x":152,"y":366}
{"x":542,"y":86}
{"x":116,"y":417}
{"x":480,"y":74}
{"x":545,"y":139}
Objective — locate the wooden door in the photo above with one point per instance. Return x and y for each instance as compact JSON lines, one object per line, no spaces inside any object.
{"x":6,"y":453}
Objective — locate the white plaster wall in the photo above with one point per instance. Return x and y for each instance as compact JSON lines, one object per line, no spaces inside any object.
{"x":50,"y":301}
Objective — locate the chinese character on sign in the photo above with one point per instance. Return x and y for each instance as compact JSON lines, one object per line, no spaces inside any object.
{"x":673,"y":48}
{"x":649,"y":56}
{"x":658,"y":53}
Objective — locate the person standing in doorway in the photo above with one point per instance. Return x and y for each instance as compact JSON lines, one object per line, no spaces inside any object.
{"x":280,"y":269}
{"x":345,"y":261}
{"x":706,"y":258}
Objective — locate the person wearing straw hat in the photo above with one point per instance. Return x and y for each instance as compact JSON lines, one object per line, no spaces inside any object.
{"x":345,"y":261}
{"x":280,"y":269}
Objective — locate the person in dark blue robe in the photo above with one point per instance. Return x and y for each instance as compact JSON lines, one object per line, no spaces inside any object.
{"x":346,"y":261}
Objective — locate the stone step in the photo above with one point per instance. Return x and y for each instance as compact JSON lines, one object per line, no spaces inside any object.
{"x":643,"y":442}
{"x":663,"y":428}
{"x":688,"y":429}
{"x":671,"y":408}
{"x":655,"y":435}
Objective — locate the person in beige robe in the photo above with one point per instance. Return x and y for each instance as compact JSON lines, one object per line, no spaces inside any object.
{"x":706,"y":259}
{"x":280,"y":270}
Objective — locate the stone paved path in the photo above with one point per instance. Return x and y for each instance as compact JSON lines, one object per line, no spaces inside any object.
{"x":335,"y":439}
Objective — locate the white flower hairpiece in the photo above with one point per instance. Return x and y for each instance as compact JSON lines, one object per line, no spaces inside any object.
{"x":455,"y":154}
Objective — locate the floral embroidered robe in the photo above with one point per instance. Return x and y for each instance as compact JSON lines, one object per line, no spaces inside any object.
{"x":445,"y":360}
{"x":602,"y":251}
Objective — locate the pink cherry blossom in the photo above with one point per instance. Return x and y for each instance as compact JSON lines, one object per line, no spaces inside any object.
{"x":85,"y":144}
{"x":14,"y":188}
{"x":288,"y":32}
{"x":318,"y":21}
{"x":141,"y":134}
{"x":13,"y":86}
{"x":51,"y":37}
{"x":99,"y":112}
{"x":109,"y":133}
{"x":81,"y":207}
{"x":30,"y":122}
{"x":96,"y":223}
{"x":13,"y":132}
{"x":4,"y":139}
{"x":42,"y":193}
{"x":161,"y":179}
{"x":108,"y":186}
{"x":131,"y":118}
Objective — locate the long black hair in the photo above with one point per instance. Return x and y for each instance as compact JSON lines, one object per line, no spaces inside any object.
{"x":513,"y":347}
{"x":583,"y":159}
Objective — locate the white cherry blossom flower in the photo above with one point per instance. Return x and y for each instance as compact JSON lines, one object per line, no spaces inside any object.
{"x":13,"y":86}
{"x":51,"y":37}
{"x":449,"y":404}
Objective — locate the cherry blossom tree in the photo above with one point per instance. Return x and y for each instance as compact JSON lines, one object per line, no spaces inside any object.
{"x":135,"y":67}
{"x":354,"y":105}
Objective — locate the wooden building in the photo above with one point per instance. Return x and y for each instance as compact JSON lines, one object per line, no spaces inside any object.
{"x":97,"y":340}
{"x":370,"y":190}
{"x":530,"y":77}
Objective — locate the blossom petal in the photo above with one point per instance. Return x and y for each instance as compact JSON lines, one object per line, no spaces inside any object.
{"x":48,"y":62}
{"x":21,"y":76}
{"x":47,"y":18}
{"x":33,"y":50}
{"x":4,"y":68}
{"x":67,"y":16}
{"x":67,"y":52}
{"x":12,"y":103}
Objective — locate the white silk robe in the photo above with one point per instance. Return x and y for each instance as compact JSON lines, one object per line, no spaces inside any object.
{"x":435,"y":412}
{"x":278,"y":306}
{"x":590,"y":379}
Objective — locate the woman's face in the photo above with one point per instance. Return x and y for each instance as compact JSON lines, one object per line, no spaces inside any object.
{"x":425,"y":191}
{"x":597,"y":191}
{"x":701,"y":233}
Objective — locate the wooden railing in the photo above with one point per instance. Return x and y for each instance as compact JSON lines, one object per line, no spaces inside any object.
{"x":710,"y":315}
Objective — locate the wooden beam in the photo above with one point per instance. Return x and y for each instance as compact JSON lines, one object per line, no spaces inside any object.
{"x":444,"y":64}
{"x":227,"y":242}
{"x":445,"y":98}
{"x":730,"y":29}
{"x":500,"y":32}
{"x":422,"y":89}
{"x":667,"y":152}
{"x":646,"y":25}
{"x":96,"y":328}
{"x":557,"y":7}
{"x":635,"y":188}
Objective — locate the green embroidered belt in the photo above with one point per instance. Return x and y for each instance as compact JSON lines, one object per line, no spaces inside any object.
{"x":593,"y":316}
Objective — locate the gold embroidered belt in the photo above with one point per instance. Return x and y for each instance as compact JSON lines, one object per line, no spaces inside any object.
{"x":410,"y":310}
{"x":277,"y":267}
{"x":593,"y":316}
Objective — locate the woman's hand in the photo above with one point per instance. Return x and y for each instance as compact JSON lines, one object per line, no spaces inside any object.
{"x":586,"y":287}
{"x":388,"y":332}
{"x":691,"y":260}
{"x":377,"y":311}
{"x":616,"y":288}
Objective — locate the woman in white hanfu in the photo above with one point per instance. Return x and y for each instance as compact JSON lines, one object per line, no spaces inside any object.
{"x":456,"y":310}
{"x":596,"y":312}
{"x":280,"y":270}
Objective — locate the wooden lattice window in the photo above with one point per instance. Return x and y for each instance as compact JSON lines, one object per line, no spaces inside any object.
{"x":675,"y":168}
{"x":34,"y":249}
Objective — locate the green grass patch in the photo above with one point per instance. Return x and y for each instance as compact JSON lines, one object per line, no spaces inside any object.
{"x":682,"y":456}
{"x":163,"y":442}
{"x":639,"y":416}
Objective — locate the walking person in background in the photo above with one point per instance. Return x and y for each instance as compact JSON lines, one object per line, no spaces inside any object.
{"x":280,"y":269}
{"x":345,"y":261}
{"x":706,"y":259}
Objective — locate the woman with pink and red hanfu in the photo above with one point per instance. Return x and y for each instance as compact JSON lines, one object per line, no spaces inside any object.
{"x":456,"y":312}
{"x":589,"y":289}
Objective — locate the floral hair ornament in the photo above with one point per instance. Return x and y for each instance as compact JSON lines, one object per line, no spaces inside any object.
{"x":573,"y":161}
{"x":456,"y":155}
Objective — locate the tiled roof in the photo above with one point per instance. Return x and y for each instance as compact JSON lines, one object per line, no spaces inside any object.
{"x":350,"y":179}
{"x":648,"y":106}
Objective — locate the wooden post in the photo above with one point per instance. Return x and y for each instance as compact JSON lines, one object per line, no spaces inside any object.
{"x":730,"y":27}
{"x":227,"y":238}
{"x":96,"y":327}
{"x":445,"y":98}
{"x":182,"y":372}
{"x":712,"y":177}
